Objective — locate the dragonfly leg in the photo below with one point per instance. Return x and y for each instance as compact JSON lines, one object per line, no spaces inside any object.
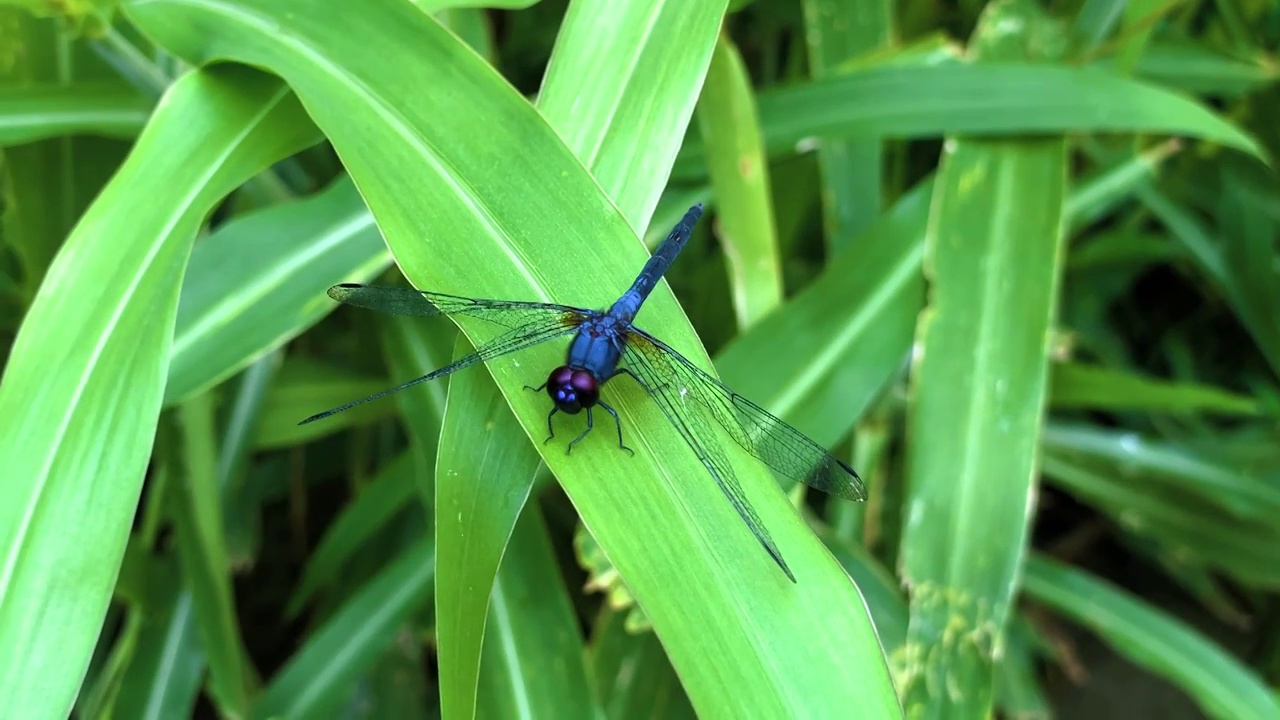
{"x":617,"y":421}
{"x":551,"y":431}
{"x":641,"y":383}
{"x":590,"y":423}
{"x":536,"y":389}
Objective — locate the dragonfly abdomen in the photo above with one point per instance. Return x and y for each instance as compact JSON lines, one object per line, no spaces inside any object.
{"x":629,"y":304}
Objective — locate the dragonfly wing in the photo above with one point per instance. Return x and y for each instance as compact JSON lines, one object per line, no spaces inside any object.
{"x":649,"y":368}
{"x":771,"y":439}
{"x":408,"y":301}
{"x":539,"y":327}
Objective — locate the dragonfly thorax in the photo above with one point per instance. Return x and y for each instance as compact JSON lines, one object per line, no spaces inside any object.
{"x":572,"y":389}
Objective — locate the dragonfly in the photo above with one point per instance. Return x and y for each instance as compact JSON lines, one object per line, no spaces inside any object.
{"x":605,"y":345}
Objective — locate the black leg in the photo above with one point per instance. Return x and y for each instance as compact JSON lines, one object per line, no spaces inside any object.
{"x":617,"y":421}
{"x":573,"y":442}
{"x":535,"y":389}
{"x":633,"y":376}
{"x":551,"y":431}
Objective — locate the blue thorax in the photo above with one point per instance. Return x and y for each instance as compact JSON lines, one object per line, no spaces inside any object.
{"x":597,"y":346}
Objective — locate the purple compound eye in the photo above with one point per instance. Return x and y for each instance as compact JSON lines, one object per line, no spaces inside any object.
{"x":571,"y":390}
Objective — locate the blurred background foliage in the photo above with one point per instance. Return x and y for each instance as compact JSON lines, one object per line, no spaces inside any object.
{"x":1016,"y":262}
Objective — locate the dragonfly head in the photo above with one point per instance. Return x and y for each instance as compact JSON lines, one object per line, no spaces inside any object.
{"x":572,"y":389}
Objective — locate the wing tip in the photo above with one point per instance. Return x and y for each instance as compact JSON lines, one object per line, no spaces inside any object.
{"x":856,"y":489}
{"x":342,"y":291}
{"x":777,"y":558}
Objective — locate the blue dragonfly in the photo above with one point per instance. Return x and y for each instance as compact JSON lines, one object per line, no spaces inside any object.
{"x":606,"y":345}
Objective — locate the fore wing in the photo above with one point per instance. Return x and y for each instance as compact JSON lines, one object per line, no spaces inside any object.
{"x":529,"y":323}
{"x":408,"y":301}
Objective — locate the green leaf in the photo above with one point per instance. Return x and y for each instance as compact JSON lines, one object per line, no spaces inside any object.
{"x":1188,"y":532}
{"x":822,"y":359}
{"x":1122,"y":250}
{"x":1220,"y":684}
{"x":1100,"y":388}
{"x":51,"y":182}
{"x":241,"y":498}
{"x":1232,"y":487}
{"x":1098,"y":196}
{"x":1249,"y":225}
{"x":397,"y":687}
{"x":633,"y":676}
{"x":164,"y":678}
{"x":878,"y":586}
{"x":1019,"y":691}
{"x":259,"y":280}
{"x":1137,"y":23}
{"x":621,"y":87}
{"x":380,"y":501}
{"x":976,"y":100}
{"x":835,"y":33}
{"x":1195,"y":67}
{"x":323,"y":672}
{"x":534,"y":661}
{"x":414,"y":347}
{"x":47,"y":111}
{"x":483,"y":476}
{"x":87,"y":373}
{"x":305,"y":387}
{"x":740,"y":180}
{"x":1236,"y":281}
{"x":978,"y":392}
{"x":198,"y":513}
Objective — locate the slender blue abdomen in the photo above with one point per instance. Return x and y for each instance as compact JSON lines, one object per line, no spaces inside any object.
{"x":629,"y":304}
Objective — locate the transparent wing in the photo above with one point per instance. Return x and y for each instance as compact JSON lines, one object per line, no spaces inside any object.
{"x":529,"y":323}
{"x":408,"y":301}
{"x":651,"y":369}
{"x":772,"y":440}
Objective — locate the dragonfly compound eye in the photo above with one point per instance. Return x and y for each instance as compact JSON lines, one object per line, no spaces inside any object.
{"x":572,"y":390}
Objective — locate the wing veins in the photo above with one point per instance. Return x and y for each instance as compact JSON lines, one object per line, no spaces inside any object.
{"x":519,"y":338}
{"x":666,"y":395}
{"x":421,"y":303}
{"x":770,"y":439}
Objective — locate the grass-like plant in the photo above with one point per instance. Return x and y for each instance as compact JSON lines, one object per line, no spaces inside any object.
{"x":1017,"y":268}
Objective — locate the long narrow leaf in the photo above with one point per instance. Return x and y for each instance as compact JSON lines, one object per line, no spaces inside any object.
{"x":979,"y":387}
{"x":81,"y":393}
{"x":1222,"y":686}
